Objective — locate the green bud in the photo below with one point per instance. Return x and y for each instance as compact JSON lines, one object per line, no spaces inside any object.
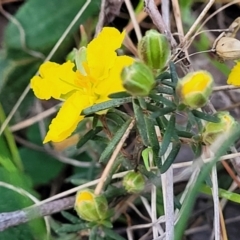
{"x":91,"y":207}
{"x":134,"y":182}
{"x":195,"y":89}
{"x":212,"y":130}
{"x":138,"y":79}
{"x":154,"y":49}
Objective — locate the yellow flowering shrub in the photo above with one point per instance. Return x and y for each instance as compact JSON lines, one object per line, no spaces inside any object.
{"x":80,"y":90}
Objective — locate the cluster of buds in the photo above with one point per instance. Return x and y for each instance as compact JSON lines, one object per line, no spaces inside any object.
{"x":195,"y":89}
{"x":213,"y":130}
{"x":154,"y":52}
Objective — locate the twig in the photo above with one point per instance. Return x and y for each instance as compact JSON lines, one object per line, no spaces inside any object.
{"x":30,"y":121}
{"x":151,"y":9}
{"x":178,"y":19}
{"x":134,"y":20}
{"x":216,"y":204}
{"x":22,"y":216}
{"x":109,"y":10}
{"x":99,"y":187}
{"x":56,"y":46}
{"x":225,"y":88}
{"x":196,"y":23}
{"x":27,"y":194}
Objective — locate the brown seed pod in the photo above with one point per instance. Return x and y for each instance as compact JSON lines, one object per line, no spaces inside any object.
{"x":228,"y":48}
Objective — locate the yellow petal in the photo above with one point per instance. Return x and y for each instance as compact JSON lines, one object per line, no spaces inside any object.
{"x":101,"y":52}
{"x":67,"y":118}
{"x":113,"y":83}
{"x":234,"y":76}
{"x":54,"y":80}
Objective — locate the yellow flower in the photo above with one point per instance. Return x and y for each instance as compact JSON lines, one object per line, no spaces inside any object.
{"x":195,"y":89}
{"x":234,"y":76}
{"x":91,"y":207}
{"x":101,"y":77}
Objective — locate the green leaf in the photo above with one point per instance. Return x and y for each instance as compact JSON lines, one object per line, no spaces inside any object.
{"x":152,"y":137}
{"x":163,"y":100}
{"x":119,"y":95}
{"x":163,"y":76}
{"x":171,"y":157}
{"x":115,"y":118}
{"x":205,"y":116}
{"x":105,"y":105}
{"x":71,"y":218}
{"x":169,"y":84}
{"x":112,"y":234}
{"x":88,"y":136}
{"x":162,"y":112}
{"x":112,"y":144}
{"x":141,"y":125}
{"x":12,"y":201}
{"x":234,"y":197}
{"x":68,"y":228}
{"x":184,"y":134}
{"x":45,"y":28}
{"x":41,"y":167}
{"x":145,"y":156}
{"x":170,"y":130}
{"x":165,"y":90}
{"x":174,"y":76}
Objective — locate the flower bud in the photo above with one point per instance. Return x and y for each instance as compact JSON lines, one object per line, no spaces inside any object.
{"x":138,"y":79}
{"x":228,"y":48}
{"x":134,"y":182}
{"x":195,"y":89}
{"x":91,"y":207}
{"x":154,"y":49}
{"x":213,"y":130}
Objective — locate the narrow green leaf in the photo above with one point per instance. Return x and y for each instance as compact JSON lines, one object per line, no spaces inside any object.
{"x":105,"y":105}
{"x":167,"y":135}
{"x":112,"y":234}
{"x":119,"y":95}
{"x":115,"y":118}
{"x":197,"y":149}
{"x":171,"y":157}
{"x":234,"y":197}
{"x":161,"y":99}
{"x":123,"y":115}
{"x":153,"y":178}
{"x":163,"y":76}
{"x":162,"y":112}
{"x":68,"y":228}
{"x":112,"y":144}
{"x":174,"y":76}
{"x":95,"y":121}
{"x":152,"y":137}
{"x":94,"y":233}
{"x":141,"y":125}
{"x":9,"y":155}
{"x":169,"y":84}
{"x":100,"y":139}
{"x":205,"y":116}
{"x":88,"y":136}
{"x":184,"y":134}
{"x":71,"y":218}
{"x":165,"y":90}
{"x":145,"y":156}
